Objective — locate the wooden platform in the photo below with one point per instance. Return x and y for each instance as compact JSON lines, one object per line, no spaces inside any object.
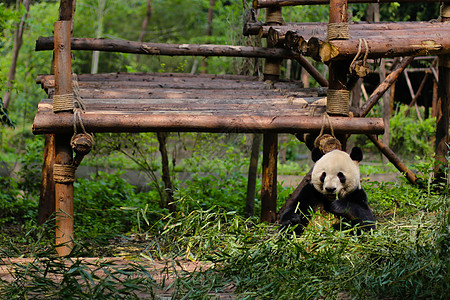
{"x":139,"y":102}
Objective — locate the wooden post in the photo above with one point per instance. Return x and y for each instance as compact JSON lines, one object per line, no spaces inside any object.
{"x":252,"y":175}
{"x":269,"y":178}
{"x":272,"y":71}
{"x":63,"y":150}
{"x":442,"y":121}
{"x":46,"y":205}
{"x":338,"y":95}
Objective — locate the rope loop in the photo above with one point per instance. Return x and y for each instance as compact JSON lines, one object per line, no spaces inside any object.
{"x":360,"y":68}
{"x":327,"y":142}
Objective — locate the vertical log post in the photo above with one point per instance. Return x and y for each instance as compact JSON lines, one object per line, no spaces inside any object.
{"x":338,"y":95}
{"x":46,"y":205}
{"x":63,"y":150}
{"x":442,"y":121}
{"x":269,"y":178}
{"x":272,"y":71}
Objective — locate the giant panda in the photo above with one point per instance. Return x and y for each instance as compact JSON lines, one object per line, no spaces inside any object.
{"x":335,"y":186}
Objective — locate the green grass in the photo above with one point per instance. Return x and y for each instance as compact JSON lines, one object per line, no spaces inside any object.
{"x":407,"y":256}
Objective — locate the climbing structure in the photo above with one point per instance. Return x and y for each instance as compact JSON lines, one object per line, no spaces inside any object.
{"x":81,"y":105}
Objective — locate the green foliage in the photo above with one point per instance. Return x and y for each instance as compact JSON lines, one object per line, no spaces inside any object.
{"x":106,"y":204}
{"x":410,"y":136}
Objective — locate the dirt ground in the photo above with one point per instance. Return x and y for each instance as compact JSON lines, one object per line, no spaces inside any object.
{"x":162,"y":272}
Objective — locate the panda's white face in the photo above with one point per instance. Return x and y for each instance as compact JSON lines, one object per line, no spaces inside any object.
{"x":336,"y":173}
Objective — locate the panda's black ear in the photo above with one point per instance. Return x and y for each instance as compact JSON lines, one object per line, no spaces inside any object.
{"x":316,"y":154}
{"x":356,"y":154}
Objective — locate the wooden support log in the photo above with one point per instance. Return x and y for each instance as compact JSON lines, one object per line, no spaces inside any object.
{"x":318,"y":29}
{"x":46,"y":205}
{"x":280,"y":3}
{"x":281,"y":33}
{"x":393,"y":158}
{"x":63,"y":150}
{"x":139,"y":122}
{"x":384,"y":86}
{"x":269,"y":178}
{"x":431,"y":44}
{"x":312,"y":71}
{"x":45,"y":43}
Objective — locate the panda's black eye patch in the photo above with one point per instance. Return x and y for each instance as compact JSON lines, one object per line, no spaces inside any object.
{"x":341,"y":177}
{"x":322,"y":177}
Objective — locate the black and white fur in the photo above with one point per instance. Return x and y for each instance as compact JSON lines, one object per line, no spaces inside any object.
{"x":335,"y":186}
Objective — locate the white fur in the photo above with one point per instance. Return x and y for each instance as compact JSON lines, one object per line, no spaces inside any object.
{"x":332,"y":163}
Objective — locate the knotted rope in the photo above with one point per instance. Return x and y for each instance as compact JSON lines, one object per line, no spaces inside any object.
{"x":360,"y":68}
{"x":81,"y":143}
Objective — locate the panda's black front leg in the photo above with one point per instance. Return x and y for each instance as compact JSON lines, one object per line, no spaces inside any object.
{"x":299,"y":212}
{"x":355,"y":208}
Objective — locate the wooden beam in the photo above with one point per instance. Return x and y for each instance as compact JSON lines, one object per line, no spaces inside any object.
{"x":384,"y":86}
{"x":318,"y":29}
{"x":108,"y":45}
{"x":246,"y":123}
{"x":280,"y":3}
{"x":380,"y":47}
{"x":393,"y":158}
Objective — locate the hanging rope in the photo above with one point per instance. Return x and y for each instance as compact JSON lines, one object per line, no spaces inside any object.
{"x":338,"y":31}
{"x":360,"y":68}
{"x":327,"y":142}
{"x":81,"y":143}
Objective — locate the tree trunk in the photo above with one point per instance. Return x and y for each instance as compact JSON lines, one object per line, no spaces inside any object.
{"x":18,"y":35}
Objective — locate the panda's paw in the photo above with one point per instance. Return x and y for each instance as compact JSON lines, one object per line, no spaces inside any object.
{"x":293,"y":219}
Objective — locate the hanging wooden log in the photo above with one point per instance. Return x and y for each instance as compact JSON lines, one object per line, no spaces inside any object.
{"x":279,"y":3}
{"x":431,"y":44}
{"x":46,"y":43}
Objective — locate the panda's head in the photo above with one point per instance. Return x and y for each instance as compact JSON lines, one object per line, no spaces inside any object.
{"x":336,"y":172}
